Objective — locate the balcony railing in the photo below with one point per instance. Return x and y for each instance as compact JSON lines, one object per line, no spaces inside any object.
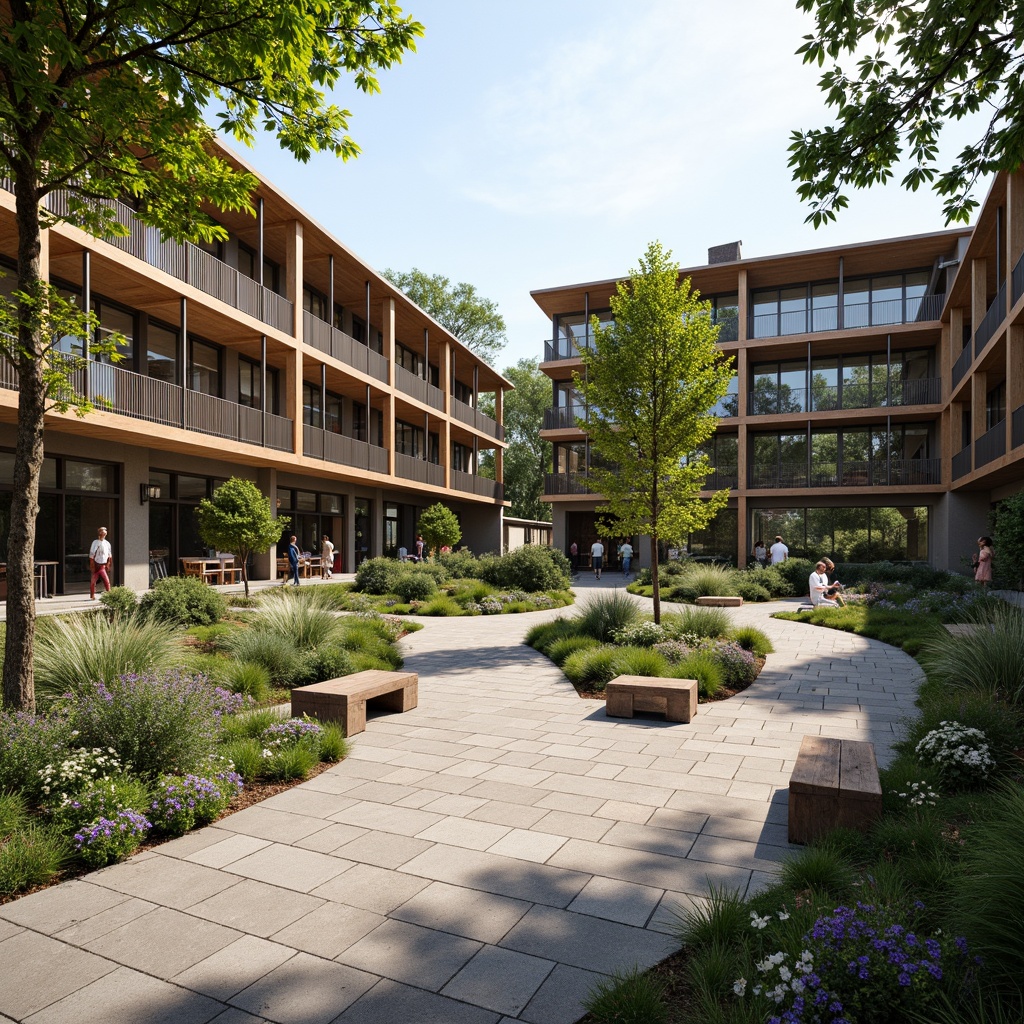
{"x":884,"y":312}
{"x":566,"y":483}
{"x":1018,"y":280}
{"x":325,"y":338}
{"x":473,"y":484}
{"x":1017,"y":427}
{"x":722,"y":477}
{"x":991,"y":445}
{"x":467,"y":414}
{"x":963,"y":361}
{"x":419,"y":470}
{"x":993,"y":318}
{"x":565,"y":348}
{"x":962,"y":462}
{"x":848,"y":473}
{"x":418,"y":388}
{"x":831,"y":397}
{"x":343,"y":450}
{"x":187,"y":263}
{"x":564,"y":417}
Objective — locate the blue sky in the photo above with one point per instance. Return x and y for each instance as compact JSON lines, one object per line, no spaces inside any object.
{"x":528,"y":144}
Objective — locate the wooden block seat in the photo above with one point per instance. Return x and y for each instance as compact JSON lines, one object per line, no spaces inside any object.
{"x":719,"y":602}
{"x":676,"y":699}
{"x":834,"y":784}
{"x":344,"y":700}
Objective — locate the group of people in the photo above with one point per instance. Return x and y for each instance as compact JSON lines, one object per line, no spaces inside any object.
{"x":763,"y":556}
{"x":597,"y":553}
{"x":295,"y":557}
{"x":821,"y":591}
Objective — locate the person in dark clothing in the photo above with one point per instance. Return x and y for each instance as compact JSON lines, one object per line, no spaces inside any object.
{"x":293,"y":560}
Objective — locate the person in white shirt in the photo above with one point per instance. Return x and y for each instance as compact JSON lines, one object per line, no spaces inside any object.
{"x":779,"y":551}
{"x":818,"y":585}
{"x":100,"y":560}
{"x":626,"y":554}
{"x":326,"y":558}
{"x":597,"y":557}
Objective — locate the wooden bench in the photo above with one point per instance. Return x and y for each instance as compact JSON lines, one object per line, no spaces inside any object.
{"x":710,"y":601}
{"x":344,"y":700}
{"x":676,"y":699}
{"x":834,"y":784}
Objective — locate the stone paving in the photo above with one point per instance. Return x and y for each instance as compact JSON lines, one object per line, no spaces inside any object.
{"x":483,"y":859}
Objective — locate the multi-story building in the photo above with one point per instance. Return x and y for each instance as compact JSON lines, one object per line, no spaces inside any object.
{"x":277,"y":355}
{"x":878,"y":405}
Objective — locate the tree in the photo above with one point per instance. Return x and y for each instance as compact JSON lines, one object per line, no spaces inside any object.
{"x":439,"y":527}
{"x":107,"y":101}
{"x":239,"y":519}
{"x":920,"y":65}
{"x":527,"y":457}
{"x":1008,"y":539}
{"x":651,"y":378}
{"x":458,"y":308}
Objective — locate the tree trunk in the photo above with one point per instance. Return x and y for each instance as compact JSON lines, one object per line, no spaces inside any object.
{"x":654,"y":579}
{"x":245,"y":572}
{"x":19,"y":678}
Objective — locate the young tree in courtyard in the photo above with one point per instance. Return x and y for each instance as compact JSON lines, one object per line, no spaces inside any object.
{"x":440,"y":527}
{"x":239,"y":519}
{"x":458,"y":308}
{"x":104,"y":102}
{"x":649,"y":382}
{"x":920,"y":64}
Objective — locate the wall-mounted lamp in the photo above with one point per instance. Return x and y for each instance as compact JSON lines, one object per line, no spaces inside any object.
{"x":147,"y":492}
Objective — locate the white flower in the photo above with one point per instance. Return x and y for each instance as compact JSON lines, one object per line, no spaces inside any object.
{"x":782,"y":915}
{"x":759,"y":922}
{"x":785,"y":974}
{"x":776,"y":958}
{"x":798,"y":985}
{"x":740,"y":986}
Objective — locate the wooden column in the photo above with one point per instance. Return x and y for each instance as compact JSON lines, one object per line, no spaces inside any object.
{"x":499,"y":451}
{"x":293,"y":259}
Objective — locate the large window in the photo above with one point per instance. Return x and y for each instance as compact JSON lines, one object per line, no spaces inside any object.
{"x":725,"y":311}
{"x":778,"y":388}
{"x":114,"y":319}
{"x":312,"y":411}
{"x":850,"y":534}
{"x":249,"y":385}
{"x":409,"y":440}
{"x":888,"y":299}
{"x":204,"y":367}
{"x":162,"y":353}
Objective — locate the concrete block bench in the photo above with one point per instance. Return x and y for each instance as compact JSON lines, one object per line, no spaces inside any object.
{"x":676,"y":699}
{"x":834,"y":784}
{"x":720,"y":602}
{"x":344,"y":700}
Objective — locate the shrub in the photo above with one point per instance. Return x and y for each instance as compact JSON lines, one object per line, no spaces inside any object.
{"x":246,"y":755}
{"x":705,"y":668}
{"x":673,"y":651}
{"x":639,"y":661}
{"x":293,"y":762}
{"x":796,"y":572}
{"x":111,"y":839}
{"x":415,"y":586}
{"x":247,"y":677}
{"x":998,"y":722}
{"x":306,"y":624}
{"x":544,"y":634}
{"x":183,"y":802}
{"x":961,"y":754}
{"x":738,"y":664}
{"x":275,"y":653}
{"x":120,"y":601}
{"x":459,"y":564}
{"x":633,"y":997}
{"x":327,"y":662}
{"x":75,"y":772}
{"x":442,"y":605}
{"x":749,"y":590}
{"x":101,"y":798}
{"x":699,"y":622}
{"x":30,"y":855}
{"x":639,"y":634}
{"x":378,"y":575}
{"x":530,"y":568}
{"x":332,"y":743}
{"x":770,"y":577}
{"x":157,"y":723}
{"x":606,"y":614}
{"x":438,"y":573}
{"x":595,"y":666}
{"x":561,"y":648}
{"x":705,"y":580}
{"x":989,"y":659}
{"x":28,"y":743}
{"x":183,"y":601}
{"x":750,"y":638}
{"x":72,"y":654}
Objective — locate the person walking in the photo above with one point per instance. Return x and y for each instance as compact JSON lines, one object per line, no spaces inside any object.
{"x":293,"y":560}
{"x":574,"y":557}
{"x":983,"y":562}
{"x":626,"y":554}
{"x":101,"y":559}
{"x":779,"y":551}
{"x":597,"y":557}
{"x":420,"y":547}
{"x":326,"y":558}
{"x":760,"y":553}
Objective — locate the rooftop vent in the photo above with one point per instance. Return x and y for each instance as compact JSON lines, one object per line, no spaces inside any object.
{"x":728,"y":253}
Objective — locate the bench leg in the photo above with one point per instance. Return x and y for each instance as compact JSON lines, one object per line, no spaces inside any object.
{"x":355,"y":717}
{"x":619,"y":705}
{"x":681,"y":706}
{"x":405,"y":698}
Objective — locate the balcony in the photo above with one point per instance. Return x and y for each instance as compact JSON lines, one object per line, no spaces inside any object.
{"x":993,"y":318}
{"x":1017,"y":426}
{"x":345,"y":451}
{"x":419,"y":470}
{"x":832,"y":397}
{"x":418,"y":388}
{"x":991,"y":445}
{"x":565,"y":348}
{"x":848,"y":473}
{"x":474,"y":484}
{"x":566,"y":483}
{"x":114,"y":389}
{"x":962,"y":363}
{"x":721,"y":477}
{"x":337,"y":344}
{"x":962,"y":462}
{"x":474,"y":418}
{"x":564,"y":417}
{"x":188,"y":263}
{"x":883,"y":313}
{"x":1017,"y":280}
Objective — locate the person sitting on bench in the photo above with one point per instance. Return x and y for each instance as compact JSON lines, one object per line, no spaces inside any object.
{"x":818,"y":586}
{"x":835,"y":590}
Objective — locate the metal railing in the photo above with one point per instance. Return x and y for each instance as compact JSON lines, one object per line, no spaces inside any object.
{"x":721,"y":477}
{"x":991,"y":445}
{"x":564,"y":417}
{"x":962,"y":462}
{"x":882,"y":312}
{"x":777,"y":402}
{"x":566,"y":483}
{"x":1017,"y":427}
{"x":994,"y":316}
{"x":474,"y":418}
{"x":962,"y":363}
{"x":419,"y":470}
{"x":318,"y":443}
{"x":325,"y":338}
{"x":1017,"y":280}
{"x":418,"y":388}
{"x":473,"y":484}
{"x":848,"y":473}
{"x":565,"y":348}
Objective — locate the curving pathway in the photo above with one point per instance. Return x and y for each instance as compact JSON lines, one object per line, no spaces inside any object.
{"x":484,"y":858}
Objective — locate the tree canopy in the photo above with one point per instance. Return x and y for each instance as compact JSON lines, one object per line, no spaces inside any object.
{"x":458,"y":308}
{"x":238,"y":518}
{"x":439,"y":526}
{"x":110,"y":101}
{"x":650,"y":381}
{"x":920,"y":64}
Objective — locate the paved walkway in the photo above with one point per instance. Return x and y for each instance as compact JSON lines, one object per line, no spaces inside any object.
{"x":485,"y":858}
